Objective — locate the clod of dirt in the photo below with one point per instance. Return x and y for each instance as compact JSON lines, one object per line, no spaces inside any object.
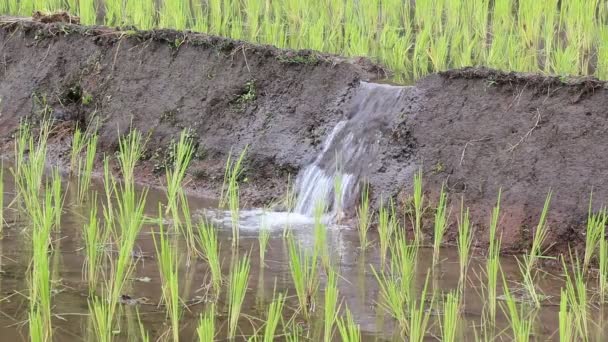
{"x":55,"y":17}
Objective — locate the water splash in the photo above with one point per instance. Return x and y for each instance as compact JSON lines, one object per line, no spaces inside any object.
{"x":333,"y":178}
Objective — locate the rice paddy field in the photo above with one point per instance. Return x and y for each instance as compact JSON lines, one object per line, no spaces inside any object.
{"x":99,"y":258}
{"x":412,"y":38}
{"x":90,"y":252}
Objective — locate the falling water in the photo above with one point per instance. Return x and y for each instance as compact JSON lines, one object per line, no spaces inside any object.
{"x":333,"y":179}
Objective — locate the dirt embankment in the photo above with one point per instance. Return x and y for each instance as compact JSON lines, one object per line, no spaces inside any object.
{"x":475,"y":130}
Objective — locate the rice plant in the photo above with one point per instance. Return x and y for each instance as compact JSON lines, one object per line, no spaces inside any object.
{"x":275,"y":311}
{"x":540,"y":236}
{"x":441,"y":223}
{"x":596,"y":223}
{"x":396,"y":284}
{"x":303,"y":268}
{"x":418,"y":200}
{"x":85,"y":171}
{"x":206,"y":326}
{"x":348,"y":329}
{"x":451,"y":316}
{"x":364,"y":218}
{"x":230,"y":191}
{"x":95,"y":238}
{"x":576,"y":292}
{"x":521,"y":324}
{"x":385,"y":231}
{"x":1,"y":199}
{"x":168,"y":264}
{"x":331,"y":307}
{"x":182,"y":153}
{"x":419,"y":315}
{"x":210,"y":247}
{"x":493,"y":263}
{"x":263,"y":238}
{"x":464,"y":242}
{"x":236,"y":293}
{"x":566,"y":319}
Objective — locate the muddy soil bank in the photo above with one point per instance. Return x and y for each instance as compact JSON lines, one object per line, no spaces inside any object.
{"x":474,"y":130}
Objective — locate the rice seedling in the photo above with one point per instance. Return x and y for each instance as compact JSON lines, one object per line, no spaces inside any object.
{"x":182,"y":153}
{"x":596,"y":223}
{"x":85,"y":172}
{"x":464,"y":242}
{"x":303,"y":269}
{"x":521,"y":325}
{"x":100,"y":315}
{"x":493,"y":263}
{"x":540,"y":236}
{"x":419,"y":315}
{"x":320,"y":237}
{"x":230,"y":192}
{"x":169,"y":273}
{"x":78,"y":144}
{"x":566,"y":319}
{"x":451,"y":316}
{"x":206,"y":326}
{"x":275,"y":311}
{"x":264,"y":237}
{"x":210,"y":247}
{"x":236,"y":293}
{"x":603,"y":269}
{"x":395,"y":284}
{"x":418,"y":206}
{"x":385,"y":232}
{"x":441,"y":223}
{"x":576,"y":292}
{"x":364,"y":218}
{"x":332,"y":307}
{"x":95,"y":239}
{"x":348,"y":329}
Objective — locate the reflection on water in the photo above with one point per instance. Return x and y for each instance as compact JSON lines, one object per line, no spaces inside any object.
{"x":357,"y":284}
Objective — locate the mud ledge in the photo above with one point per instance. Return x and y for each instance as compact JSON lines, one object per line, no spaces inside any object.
{"x":475,"y":130}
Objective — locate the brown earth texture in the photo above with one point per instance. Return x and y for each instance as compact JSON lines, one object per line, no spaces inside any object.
{"x":476,"y":131}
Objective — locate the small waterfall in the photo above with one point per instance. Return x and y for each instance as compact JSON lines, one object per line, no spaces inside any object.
{"x":333,"y":179}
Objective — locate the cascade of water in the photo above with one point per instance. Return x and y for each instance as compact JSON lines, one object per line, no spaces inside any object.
{"x":332,"y":180}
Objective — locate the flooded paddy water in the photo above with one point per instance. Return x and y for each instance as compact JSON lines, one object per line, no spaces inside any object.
{"x":358,"y":287}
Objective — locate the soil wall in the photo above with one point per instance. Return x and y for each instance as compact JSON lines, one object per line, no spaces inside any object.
{"x":474,"y":130}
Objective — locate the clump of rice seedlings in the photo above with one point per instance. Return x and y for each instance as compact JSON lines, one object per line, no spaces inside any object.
{"x":596,"y":223}
{"x":210,"y":247}
{"x":303,"y":269}
{"x":320,"y":236}
{"x":263,"y":238}
{"x":348,"y":329}
{"x":451,"y":316}
{"x":493,"y":263}
{"x":464,"y":242}
{"x":540,"y":236}
{"x":100,"y":311}
{"x":385,"y":231}
{"x":168,"y":267}
{"x":39,"y":277}
{"x":186,"y":227}
{"x":143,"y":333}
{"x":230,"y":192}
{"x":331,"y":308}
{"x":363,"y":216}
{"x":603,"y":269}
{"x":441,"y":223}
{"x":236,"y":293}
{"x":78,"y":144}
{"x":85,"y":171}
{"x":94,"y":240}
{"x":576,"y":292}
{"x":521,"y":325}
{"x":396,"y":284}
{"x":419,"y":315}
{"x":182,"y":153}
{"x":275,"y":311}
{"x":418,"y":206}
{"x":206,"y":326}
{"x":566,"y":319}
